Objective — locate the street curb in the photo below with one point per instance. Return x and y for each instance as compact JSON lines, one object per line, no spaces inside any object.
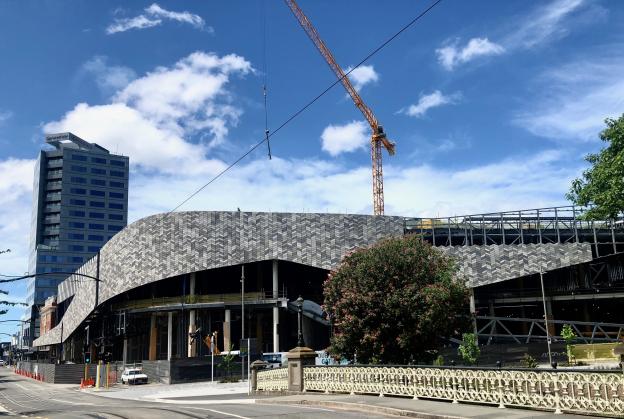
{"x":361,"y":407}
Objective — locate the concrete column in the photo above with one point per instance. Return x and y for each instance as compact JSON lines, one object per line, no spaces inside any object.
{"x":169,"y":335}
{"x":226,"y":330}
{"x":124,"y":354}
{"x":153,"y":338}
{"x":473,"y":311}
{"x":192,"y":348}
{"x":275,"y":309}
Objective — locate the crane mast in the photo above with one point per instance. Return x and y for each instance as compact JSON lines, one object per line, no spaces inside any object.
{"x":378,"y":138}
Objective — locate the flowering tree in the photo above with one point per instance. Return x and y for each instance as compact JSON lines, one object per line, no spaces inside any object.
{"x":394,"y":302}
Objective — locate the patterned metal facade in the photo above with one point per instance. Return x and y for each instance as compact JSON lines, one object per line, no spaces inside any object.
{"x":163,"y":246}
{"x":482,"y":265}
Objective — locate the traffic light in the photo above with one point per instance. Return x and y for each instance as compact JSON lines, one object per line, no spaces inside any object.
{"x":87,"y":357}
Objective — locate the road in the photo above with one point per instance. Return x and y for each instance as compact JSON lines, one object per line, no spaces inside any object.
{"x":25,"y":397}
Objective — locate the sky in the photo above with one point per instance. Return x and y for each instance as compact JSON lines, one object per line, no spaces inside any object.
{"x":492,"y":105}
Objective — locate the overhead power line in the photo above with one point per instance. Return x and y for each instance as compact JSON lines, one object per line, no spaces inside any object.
{"x":307,"y":105}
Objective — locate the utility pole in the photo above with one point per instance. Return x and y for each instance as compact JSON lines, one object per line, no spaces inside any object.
{"x":97,"y":281}
{"x":242,"y":320}
{"x":545,"y":315}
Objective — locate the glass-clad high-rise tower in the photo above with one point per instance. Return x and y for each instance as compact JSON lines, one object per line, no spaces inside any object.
{"x":80,"y":200}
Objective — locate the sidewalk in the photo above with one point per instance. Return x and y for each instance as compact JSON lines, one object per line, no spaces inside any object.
{"x":193,"y":392}
{"x":406,"y":407}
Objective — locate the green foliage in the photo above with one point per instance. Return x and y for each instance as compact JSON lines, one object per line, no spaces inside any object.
{"x":469,"y":349}
{"x":528,"y":361}
{"x":567,"y":333}
{"x":439,"y":361}
{"x":393,"y":302}
{"x":603,"y":183}
{"x":227,"y":364}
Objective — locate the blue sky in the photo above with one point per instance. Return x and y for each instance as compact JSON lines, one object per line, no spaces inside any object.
{"x":492,"y":104}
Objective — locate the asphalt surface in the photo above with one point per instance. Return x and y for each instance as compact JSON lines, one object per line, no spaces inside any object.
{"x":25,"y":397}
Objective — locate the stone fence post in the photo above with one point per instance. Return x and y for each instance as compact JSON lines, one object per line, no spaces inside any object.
{"x":255,"y":366}
{"x":297,"y":359}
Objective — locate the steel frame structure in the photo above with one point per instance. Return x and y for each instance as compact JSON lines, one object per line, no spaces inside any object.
{"x":488,"y":327}
{"x":565,"y":224}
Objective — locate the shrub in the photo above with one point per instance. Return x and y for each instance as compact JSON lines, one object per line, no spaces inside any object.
{"x":528,"y":361}
{"x":469,"y":349}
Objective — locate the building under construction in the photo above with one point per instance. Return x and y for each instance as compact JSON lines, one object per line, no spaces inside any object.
{"x":238,"y":274}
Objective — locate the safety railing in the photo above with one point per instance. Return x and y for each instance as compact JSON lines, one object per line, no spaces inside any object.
{"x":581,"y":392}
{"x":274,"y":379}
{"x":543,"y":225}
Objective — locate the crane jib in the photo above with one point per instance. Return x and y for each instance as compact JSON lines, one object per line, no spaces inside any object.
{"x":378,"y":138}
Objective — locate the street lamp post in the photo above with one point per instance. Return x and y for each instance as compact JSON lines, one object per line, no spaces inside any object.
{"x":300,"y":340}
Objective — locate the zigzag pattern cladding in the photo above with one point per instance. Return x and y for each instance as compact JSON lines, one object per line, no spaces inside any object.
{"x":162,"y":246}
{"x":482,"y":265}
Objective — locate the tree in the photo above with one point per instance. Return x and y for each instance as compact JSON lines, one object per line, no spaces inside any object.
{"x":469,"y":349}
{"x":394,"y":302}
{"x":602,"y":185}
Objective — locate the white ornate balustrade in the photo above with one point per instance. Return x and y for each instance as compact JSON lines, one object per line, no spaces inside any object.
{"x":584,"y":392}
{"x":273,"y":380}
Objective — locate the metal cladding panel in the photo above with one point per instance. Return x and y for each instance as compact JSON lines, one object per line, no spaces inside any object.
{"x":162,"y":246}
{"x":483,"y":265}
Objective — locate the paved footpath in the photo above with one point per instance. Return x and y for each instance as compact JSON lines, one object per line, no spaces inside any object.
{"x":406,"y":407}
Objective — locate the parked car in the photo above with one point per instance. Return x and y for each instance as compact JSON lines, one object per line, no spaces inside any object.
{"x":2,"y":363}
{"x":133,"y":376}
{"x":274,"y":359}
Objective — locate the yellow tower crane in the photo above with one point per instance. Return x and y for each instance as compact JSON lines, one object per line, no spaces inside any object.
{"x":378,"y":138}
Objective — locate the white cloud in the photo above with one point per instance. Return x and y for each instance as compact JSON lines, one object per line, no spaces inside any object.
{"x":108,"y":78}
{"x":362,"y":75}
{"x":154,"y":15}
{"x":137,"y":22}
{"x":152,"y":118}
{"x":543,"y":24}
{"x":450,"y":56}
{"x":574,"y":100}
{"x":185,"y":17}
{"x":432,"y":100}
{"x":16,"y":181}
{"x":337,"y":139}
{"x":5,"y":116}
{"x":526,"y":181}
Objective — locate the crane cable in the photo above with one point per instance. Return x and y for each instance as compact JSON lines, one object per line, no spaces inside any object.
{"x":264,"y":73}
